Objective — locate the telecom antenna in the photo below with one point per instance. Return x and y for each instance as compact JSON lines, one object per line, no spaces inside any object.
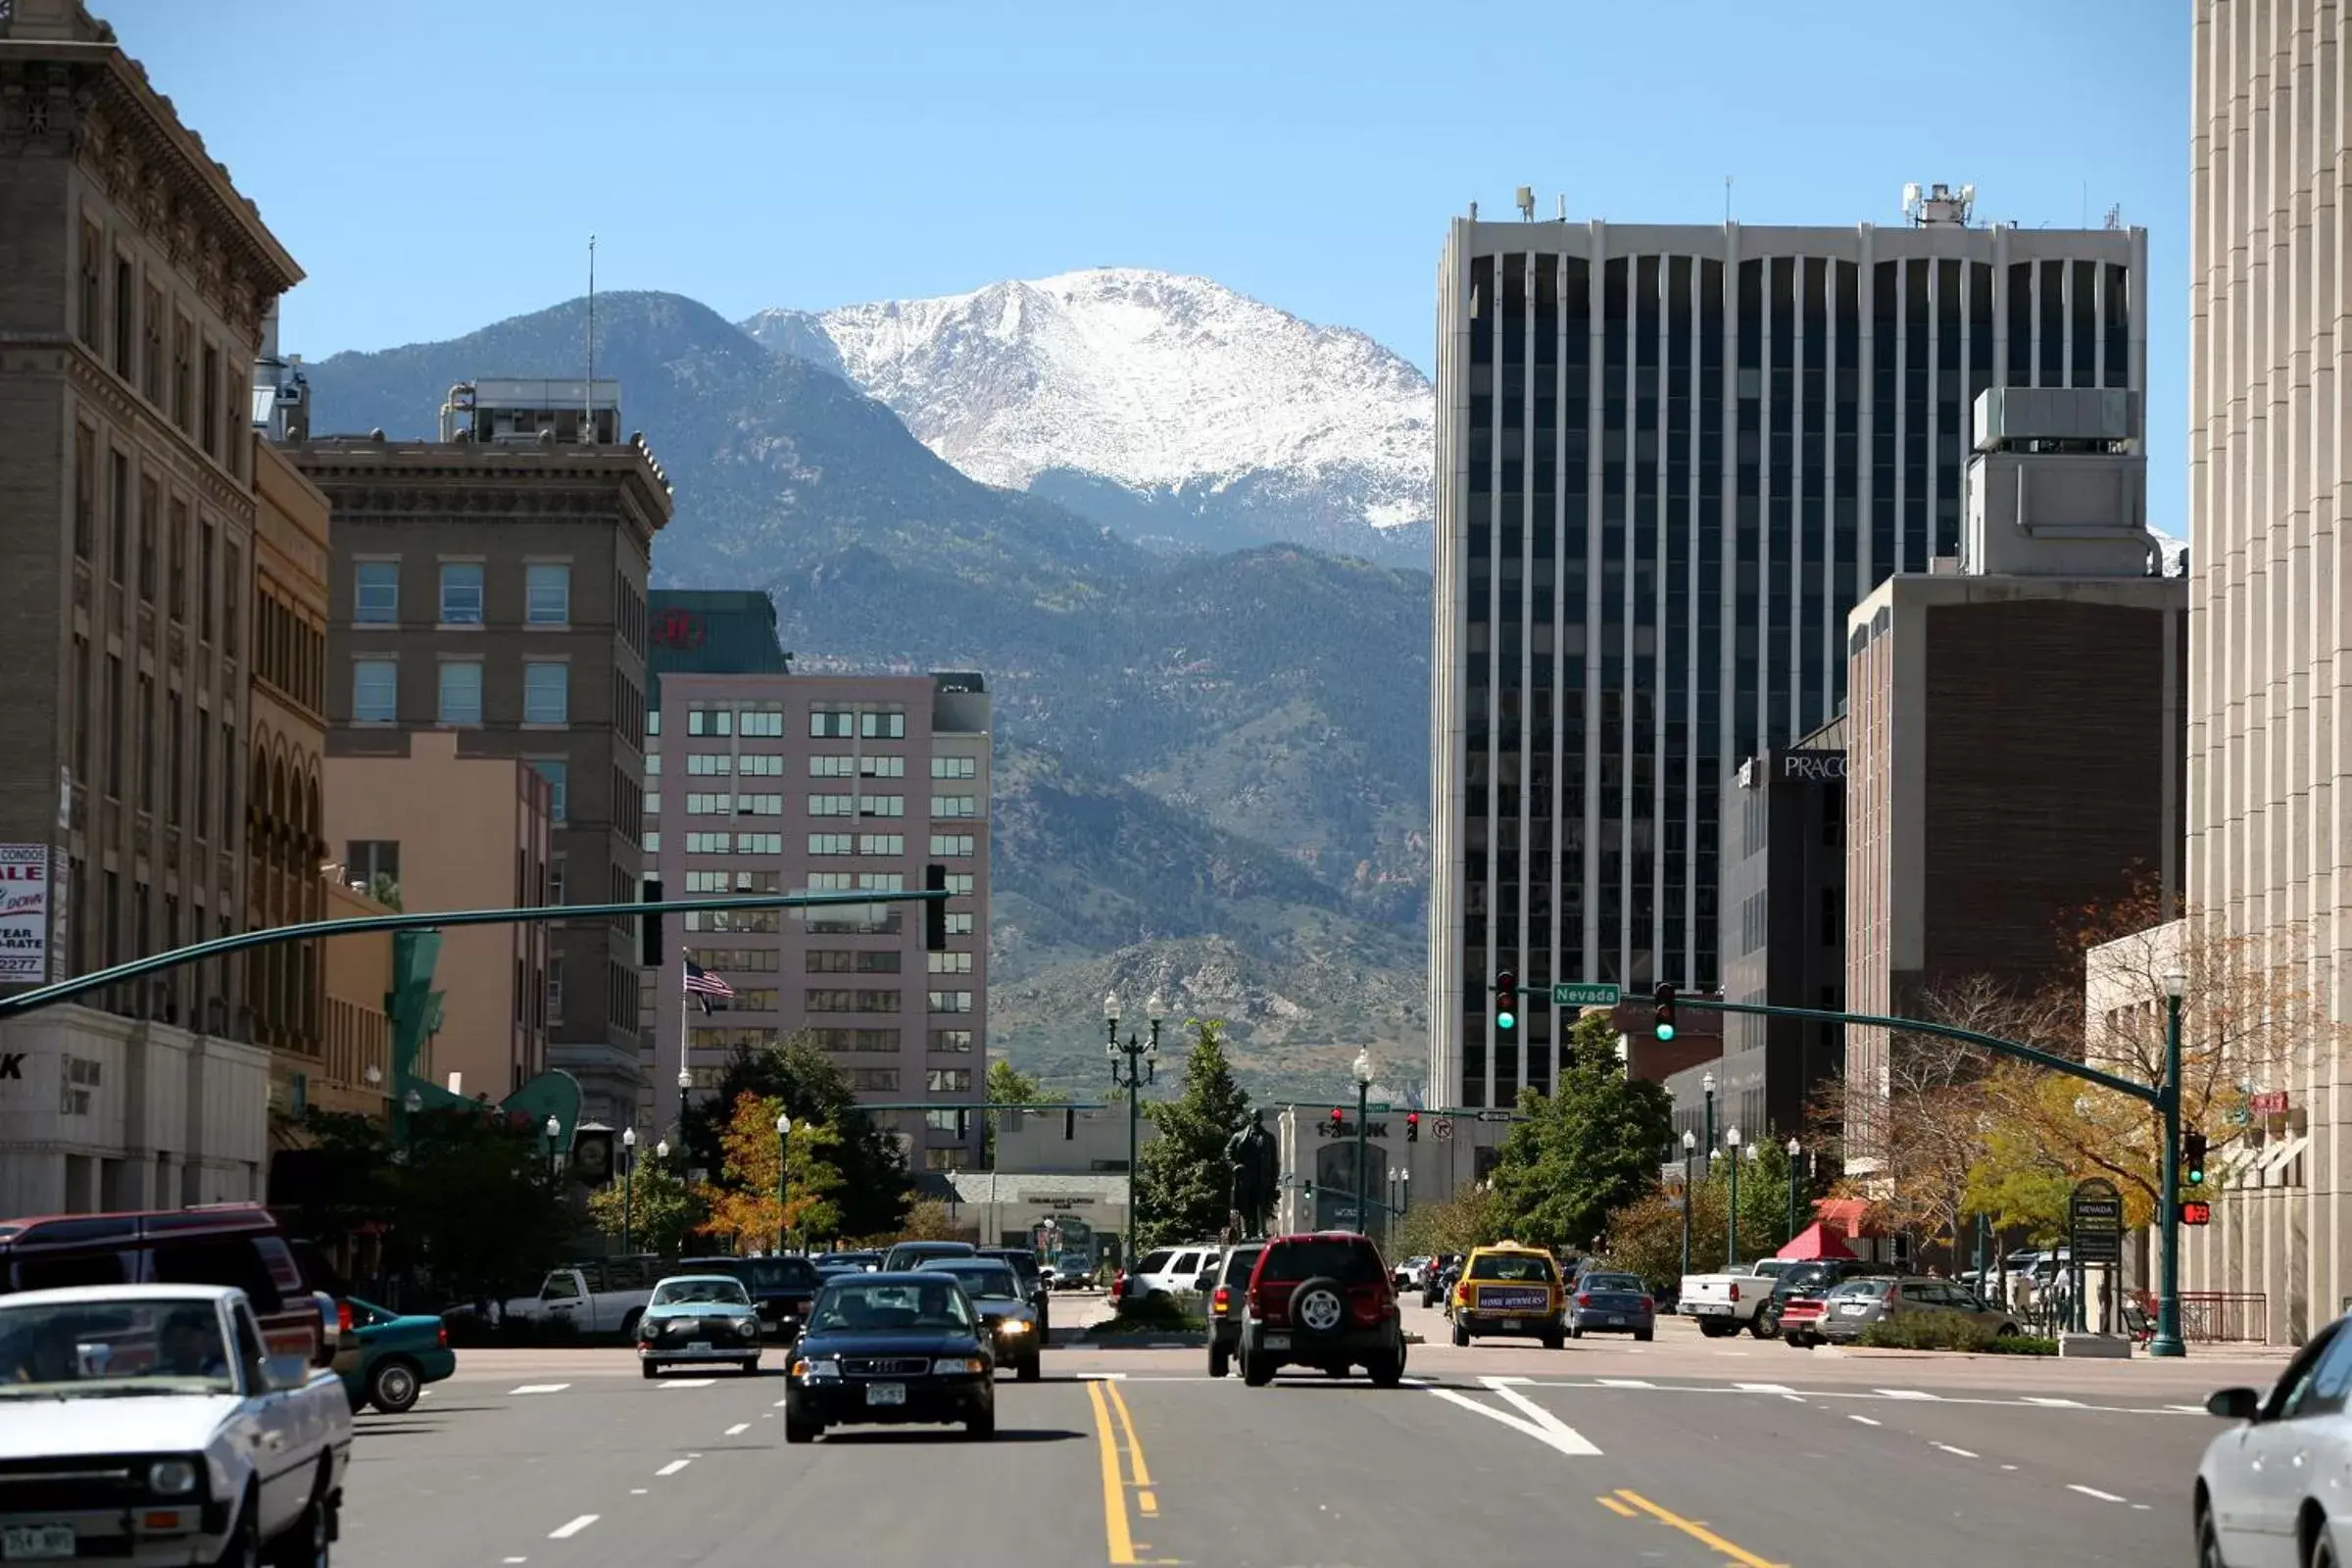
{"x":588,"y":392}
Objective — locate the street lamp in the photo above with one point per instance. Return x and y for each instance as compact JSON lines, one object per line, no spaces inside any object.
{"x":661,"y":1152}
{"x":628,"y":1183}
{"x":783,"y":1176}
{"x":1731,"y":1220}
{"x":554,"y":1130}
{"x":1707,"y":1085}
{"x":1404,"y":1190}
{"x":2165,"y":1341}
{"x":1689,"y":1149}
{"x":1363,"y":1098}
{"x":413,"y":1100}
{"x":1140,"y":1070}
{"x":1794,"y":1147}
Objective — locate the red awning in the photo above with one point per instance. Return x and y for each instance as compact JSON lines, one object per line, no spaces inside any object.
{"x":1813,"y":1244}
{"x":1847,"y":1216}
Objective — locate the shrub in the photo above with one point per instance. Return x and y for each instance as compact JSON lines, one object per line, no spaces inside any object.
{"x":1158,"y":1312}
{"x":1934,"y":1329}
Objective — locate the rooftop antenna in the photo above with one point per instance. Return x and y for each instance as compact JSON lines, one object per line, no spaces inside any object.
{"x":588,"y":392}
{"x":1526,"y":200}
{"x":2115,"y":216}
{"x":1726,"y":198}
{"x":1563,"y":207}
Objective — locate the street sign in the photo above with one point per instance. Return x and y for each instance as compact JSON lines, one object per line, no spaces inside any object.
{"x":1584,"y":995}
{"x":1494,"y":1116}
{"x":2095,"y":1221}
{"x":1378,"y":1107}
{"x":1444,"y":1129}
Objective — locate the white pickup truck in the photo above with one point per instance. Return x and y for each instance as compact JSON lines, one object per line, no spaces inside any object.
{"x":1728,"y":1301}
{"x":597,"y":1298}
{"x":229,"y":1454}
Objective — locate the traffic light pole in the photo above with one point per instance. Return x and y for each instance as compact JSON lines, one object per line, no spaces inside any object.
{"x":2163,"y":1098}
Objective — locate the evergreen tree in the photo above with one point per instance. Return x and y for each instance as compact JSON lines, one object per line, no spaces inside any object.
{"x":876,"y":1190}
{"x":1183,"y":1190}
{"x":1007,"y":1085}
{"x":1585,"y":1149}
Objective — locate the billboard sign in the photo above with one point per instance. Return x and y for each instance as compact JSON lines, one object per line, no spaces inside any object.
{"x":23,"y":914}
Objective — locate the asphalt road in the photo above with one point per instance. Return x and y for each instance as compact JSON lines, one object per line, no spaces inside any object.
{"x":1678,"y":1455}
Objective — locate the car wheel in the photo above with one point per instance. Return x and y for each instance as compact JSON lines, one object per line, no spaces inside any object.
{"x":1641,"y":1336}
{"x":1756,"y":1329}
{"x":1388,"y":1371}
{"x":797,"y":1430}
{"x":392,"y":1387}
{"x":1220,"y":1360}
{"x":1256,"y":1370}
{"x":311,"y":1542}
{"x":1461,"y":1336}
{"x":1554,"y":1341}
{"x":244,"y":1549}
{"x":650,"y":1369}
{"x":1032,"y":1370}
{"x":983,"y":1426}
{"x":2323,"y":1548}
{"x":628,"y":1324}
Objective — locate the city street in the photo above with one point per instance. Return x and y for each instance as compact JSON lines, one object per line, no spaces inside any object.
{"x":1681,"y":1452}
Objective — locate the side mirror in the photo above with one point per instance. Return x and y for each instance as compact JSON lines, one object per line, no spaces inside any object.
{"x":2235,"y":1405}
{"x":281,"y":1373}
{"x":1207,"y":1281}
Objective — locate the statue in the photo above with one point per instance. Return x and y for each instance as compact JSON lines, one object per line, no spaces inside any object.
{"x":1257,"y":1166}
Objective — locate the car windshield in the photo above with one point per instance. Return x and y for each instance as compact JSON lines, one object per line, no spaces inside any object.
{"x":992,"y":1281}
{"x":881,"y":1307}
{"x":1524,"y":1267}
{"x":702,"y":1292}
{"x":99,"y":1348}
{"x":1855,"y":1290}
{"x":782,"y":1274}
{"x":1624,"y":1284}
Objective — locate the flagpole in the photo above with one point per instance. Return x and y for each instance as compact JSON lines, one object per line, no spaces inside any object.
{"x":685,"y":1011}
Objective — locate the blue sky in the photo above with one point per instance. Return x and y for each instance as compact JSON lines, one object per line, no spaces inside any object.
{"x":437,"y":166}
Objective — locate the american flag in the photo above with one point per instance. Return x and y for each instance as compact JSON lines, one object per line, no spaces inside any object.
{"x":702,"y":985}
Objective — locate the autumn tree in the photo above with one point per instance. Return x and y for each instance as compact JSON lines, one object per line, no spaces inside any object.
{"x":744,"y":1205}
{"x":875,"y":1187}
{"x":1470,"y":1218}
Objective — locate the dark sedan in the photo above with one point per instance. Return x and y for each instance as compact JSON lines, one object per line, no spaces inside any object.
{"x":891,"y":1350}
{"x":1611,"y":1303}
{"x":782,"y":1288}
{"x":995,"y":1292}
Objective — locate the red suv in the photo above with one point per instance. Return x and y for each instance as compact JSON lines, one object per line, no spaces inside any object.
{"x":1326,"y":1301}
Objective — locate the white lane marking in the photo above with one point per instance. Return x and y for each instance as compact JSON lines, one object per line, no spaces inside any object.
{"x":637,"y":1491}
{"x":1569,"y":1440}
{"x":2055,"y":1403}
{"x":1865,"y":1420}
{"x":540,"y":1388}
{"x":1905,"y":1393}
{"x":429,"y":1394}
{"x":2008,"y":1467}
{"x":673,"y":1467}
{"x":781,"y":1404}
{"x":2141,"y":1507}
{"x":2093,"y":1491}
{"x":1763,"y":1387}
{"x":737,"y":1430}
{"x":1627,"y":1383}
{"x":688,"y":1383}
{"x":515,"y":1559}
{"x":1565,"y":1438}
{"x":566,"y":1532}
{"x":2192,"y":1410}
{"x":1105,"y":1377}
{"x":1499,"y":1381}
{"x":1948,"y":1449}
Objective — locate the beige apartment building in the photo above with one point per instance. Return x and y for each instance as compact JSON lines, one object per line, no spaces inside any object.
{"x":2270,"y":726}
{"x":452,"y":831}
{"x":490,"y":586}
{"x":134,"y":277}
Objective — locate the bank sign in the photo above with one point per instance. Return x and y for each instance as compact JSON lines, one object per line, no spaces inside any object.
{"x":23,"y":914}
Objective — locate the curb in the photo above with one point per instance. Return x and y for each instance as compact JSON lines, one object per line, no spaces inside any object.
{"x":1138,"y":1342}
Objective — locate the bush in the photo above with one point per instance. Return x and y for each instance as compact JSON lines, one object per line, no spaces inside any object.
{"x":1158,"y":1312}
{"x":1934,"y":1329}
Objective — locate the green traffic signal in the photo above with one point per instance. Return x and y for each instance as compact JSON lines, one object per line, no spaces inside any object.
{"x":1663,"y":1025}
{"x":1665,"y":1031}
{"x":2192,"y":1159}
{"x":1506,"y":1000}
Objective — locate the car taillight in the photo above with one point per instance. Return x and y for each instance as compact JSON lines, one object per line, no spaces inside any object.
{"x":1584,"y":1298}
{"x":443,"y":1336}
{"x":1222,"y":1302}
{"x":1646,"y":1303}
{"x":1734,"y":1294}
{"x":343,"y":1316}
{"x":1368,"y":1303}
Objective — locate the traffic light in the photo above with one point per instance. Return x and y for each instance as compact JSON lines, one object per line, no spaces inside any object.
{"x":1310,"y":1191}
{"x":1506,"y":1000}
{"x":1339,"y":1121}
{"x":2196,"y":1211}
{"x":963,"y":1126}
{"x":1413,"y":1126}
{"x":2192,"y":1159}
{"x":1664,"y":1024}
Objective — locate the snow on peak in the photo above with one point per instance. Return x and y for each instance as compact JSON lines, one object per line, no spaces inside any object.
{"x":1152,"y":380}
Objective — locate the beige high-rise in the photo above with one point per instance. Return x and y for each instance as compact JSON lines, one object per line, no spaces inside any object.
{"x":2270,"y":730}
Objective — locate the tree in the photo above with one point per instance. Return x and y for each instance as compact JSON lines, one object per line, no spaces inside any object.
{"x":744,"y":1205}
{"x":928,"y":1221}
{"x":652,"y":1206}
{"x":1645,"y":1235}
{"x":1183,"y":1189}
{"x":1007,"y":1085}
{"x":1588,"y":1149}
{"x":1470,"y":1218}
{"x":875,"y":1189}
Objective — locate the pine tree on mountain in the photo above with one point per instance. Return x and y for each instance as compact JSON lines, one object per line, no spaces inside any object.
{"x":1183,"y":1190}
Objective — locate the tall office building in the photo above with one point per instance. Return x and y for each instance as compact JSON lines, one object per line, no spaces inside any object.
{"x":1669,"y":460}
{"x":2270,"y":728}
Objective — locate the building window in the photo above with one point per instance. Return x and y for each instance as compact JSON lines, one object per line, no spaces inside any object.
{"x":957,"y":845}
{"x":830,"y":723}
{"x":461,"y":593}
{"x":144,"y":760}
{"x":954,"y":1041}
{"x":366,"y":859}
{"x":85,"y":488}
{"x":228,"y":786}
{"x":887,"y":726}
{"x":760,"y":724}
{"x":759,"y":804}
{"x":555,"y":986}
{"x":873,"y":1080}
{"x":881,"y":806}
{"x":177,"y":580}
{"x":701,"y":720}
{"x":959,"y":884}
{"x":127,"y":311}
{"x":183,"y":374}
{"x":1832,"y":916}
{"x":949,"y":962}
{"x":832,"y":806}
{"x":830,"y":843}
{"x":375,"y":691}
{"x":881,"y":844}
{"x":951,"y":1001}
{"x":151,"y":505}
{"x":150,"y":380}
{"x":558,"y":774}
{"x":959,"y":923}
{"x":955,"y":806}
{"x":759,"y":766}
{"x":546,"y":595}
{"x":204,"y":582}
{"x":951,"y":1079}
{"x":172,"y":759}
{"x":375,"y":593}
{"x":828,"y":767}
{"x":709,"y":805}
{"x":951,"y":767}
{"x":94,"y":282}
{"x":203,"y":773}
{"x":546,"y":692}
{"x":882,"y":766}
{"x":210,"y":438}
{"x":947,"y":1158}
{"x":232,"y":567}
{"x":709,"y":765}
{"x":461,"y":692}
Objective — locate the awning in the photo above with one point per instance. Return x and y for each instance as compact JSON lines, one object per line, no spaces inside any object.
{"x":1847,"y":1216}
{"x":1815,"y":1243}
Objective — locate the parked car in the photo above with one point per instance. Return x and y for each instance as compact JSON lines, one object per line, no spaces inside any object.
{"x":1034,"y":1289}
{"x":1163,"y":1271}
{"x":1809,"y":1281}
{"x":1324,"y":1301}
{"x":1006,"y":1314}
{"x":232,"y":1245}
{"x":783,"y":1289}
{"x":1509,"y":1290}
{"x":699,"y":1320}
{"x":229,"y":1454}
{"x":2267,"y":1490}
{"x":891,"y":1349}
{"x":1729,"y":1300}
{"x":1073,"y":1271}
{"x":593,"y":1298}
{"x":398,"y":1354}
{"x":1856,"y":1304}
{"x":1436,"y":1285}
{"x":1224,"y":1283}
{"x":1611,"y":1303}
{"x":907,"y":1256}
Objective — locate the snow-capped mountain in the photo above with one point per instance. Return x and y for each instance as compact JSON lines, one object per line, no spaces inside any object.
{"x":1169,"y":408}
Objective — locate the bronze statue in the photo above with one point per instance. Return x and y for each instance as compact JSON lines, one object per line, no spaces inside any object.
{"x":1257,"y":1166}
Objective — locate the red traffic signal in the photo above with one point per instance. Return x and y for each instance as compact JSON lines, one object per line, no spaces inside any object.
{"x":1413,"y":1126}
{"x":2196,"y":1211}
{"x":1338,"y":1118}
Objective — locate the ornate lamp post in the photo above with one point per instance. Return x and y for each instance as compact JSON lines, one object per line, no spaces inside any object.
{"x":2167,"y":1340}
{"x":1707,"y":1085}
{"x":1794,"y":1149}
{"x":783,"y":1177}
{"x":628,"y":1183}
{"x":1731,"y":1220}
{"x":1690,"y":1150}
{"x":1139,"y":1057}
{"x":1363,"y":1101}
{"x":555,"y":1167}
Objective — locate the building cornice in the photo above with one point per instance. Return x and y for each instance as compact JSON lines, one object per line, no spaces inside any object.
{"x":386,"y":481}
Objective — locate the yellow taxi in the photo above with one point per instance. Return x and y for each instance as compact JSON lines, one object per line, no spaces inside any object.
{"x":1509,"y":1290}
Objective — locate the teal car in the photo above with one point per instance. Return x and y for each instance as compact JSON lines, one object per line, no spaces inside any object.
{"x":399,"y":1354}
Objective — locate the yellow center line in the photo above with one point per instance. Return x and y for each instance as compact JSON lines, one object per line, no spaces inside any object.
{"x":1616,"y":1508}
{"x":1115,"y":1524}
{"x":1135,"y":1448}
{"x":1695,"y":1531}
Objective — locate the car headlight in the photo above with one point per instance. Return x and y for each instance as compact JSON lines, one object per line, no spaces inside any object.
{"x":1012,"y":1325}
{"x":747,"y":1326}
{"x":822,"y":1367}
{"x":173,"y":1478}
{"x":951,"y":1365}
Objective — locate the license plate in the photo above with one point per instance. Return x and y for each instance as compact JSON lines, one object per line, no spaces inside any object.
{"x":885,"y":1393}
{"x":1613,"y":1318}
{"x":36,"y":1541}
{"x":699,"y":1348}
{"x":1510,"y":1325}
{"x":1278,"y":1342}
{"x":1854,"y":1311}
